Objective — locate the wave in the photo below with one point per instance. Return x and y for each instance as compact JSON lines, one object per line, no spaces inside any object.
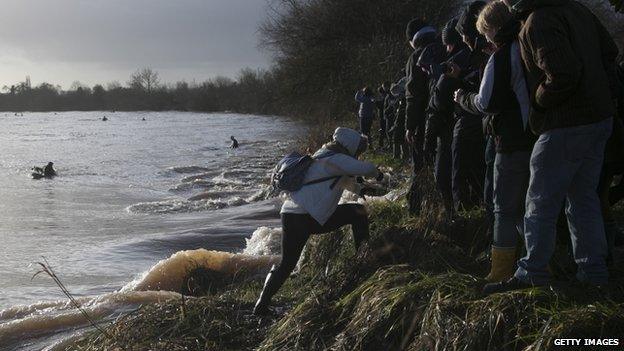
{"x":264,"y":241}
{"x":164,"y":281}
{"x":183,"y":206}
{"x":188,"y":169}
{"x":38,"y":320}
{"x":196,"y":183}
{"x":169,"y":274}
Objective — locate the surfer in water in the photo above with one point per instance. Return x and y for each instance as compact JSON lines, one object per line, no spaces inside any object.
{"x":49,"y":171}
{"x":104,"y":119}
{"x":45,"y":172}
{"x":234,"y":144}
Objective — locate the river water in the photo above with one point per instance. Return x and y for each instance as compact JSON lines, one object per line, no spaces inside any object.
{"x":131,"y":191}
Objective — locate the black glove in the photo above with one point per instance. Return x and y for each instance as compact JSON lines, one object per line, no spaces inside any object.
{"x":367,"y":192}
{"x":380,"y":176}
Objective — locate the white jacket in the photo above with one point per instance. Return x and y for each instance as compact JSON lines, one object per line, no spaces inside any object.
{"x":320,"y":200}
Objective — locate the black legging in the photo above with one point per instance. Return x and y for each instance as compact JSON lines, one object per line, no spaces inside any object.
{"x":297,"y":228}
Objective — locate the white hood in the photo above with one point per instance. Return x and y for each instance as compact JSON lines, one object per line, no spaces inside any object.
{"x":348,"y":138}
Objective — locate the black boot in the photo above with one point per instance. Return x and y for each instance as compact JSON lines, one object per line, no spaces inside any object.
{"x":505,"y":286}
{"x":272,"y":284}
{"x":269,"y":289}
{"x":360,"y":230}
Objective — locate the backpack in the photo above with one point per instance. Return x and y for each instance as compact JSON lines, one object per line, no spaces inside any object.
{"x":290,"y":171}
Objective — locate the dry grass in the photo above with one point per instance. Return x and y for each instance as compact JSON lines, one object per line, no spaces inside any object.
{"x":415,"y":287}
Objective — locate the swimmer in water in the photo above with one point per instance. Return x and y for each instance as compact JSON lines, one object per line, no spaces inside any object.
{"x":234,"y":142}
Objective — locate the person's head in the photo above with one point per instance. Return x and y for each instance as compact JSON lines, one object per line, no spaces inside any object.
{"x":413,"y":28}
{"x":467,"y":24}
{"x":450,"y":36}
{"x":367,"y":91}
{"x":381,"y":90}
{"x":50,"y":164}
{"x":353,"y":142}
{"x":492,"y":18}
{"x":232,"y":137}
{"x":386,"y":86}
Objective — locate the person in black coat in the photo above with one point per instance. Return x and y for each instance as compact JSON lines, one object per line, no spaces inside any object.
{"x":422,"y":70}
{"x":468,"y":146}
{"x":442,"y":107}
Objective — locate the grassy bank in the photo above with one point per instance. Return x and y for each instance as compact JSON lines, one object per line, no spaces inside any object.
{"x":414,"y":287}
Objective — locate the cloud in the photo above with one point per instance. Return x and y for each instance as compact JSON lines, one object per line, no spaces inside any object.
{"x":199,"y":38}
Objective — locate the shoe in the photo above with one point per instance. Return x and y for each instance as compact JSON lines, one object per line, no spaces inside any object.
{"x":261,"y":309}
{"x":503,"y":264}
{"x":271,"y":285}
{"x":505,"y":286}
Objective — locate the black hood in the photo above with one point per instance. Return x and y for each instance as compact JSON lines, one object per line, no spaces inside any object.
{"x":425,"y":40}
{"x":450,"y":36}
{"x":507,"y":33}
{"x":523,"y":8}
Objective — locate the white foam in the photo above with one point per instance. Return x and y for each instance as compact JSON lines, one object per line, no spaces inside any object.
{"x":264,"y":241}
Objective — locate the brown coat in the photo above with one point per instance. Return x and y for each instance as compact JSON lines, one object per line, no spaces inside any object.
{"x":570,"y":58}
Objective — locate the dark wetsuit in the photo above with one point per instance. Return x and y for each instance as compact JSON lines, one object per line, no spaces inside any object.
{"x":49,"y":171}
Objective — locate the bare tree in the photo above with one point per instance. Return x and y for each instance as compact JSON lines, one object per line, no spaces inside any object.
{"x":145,"y":79}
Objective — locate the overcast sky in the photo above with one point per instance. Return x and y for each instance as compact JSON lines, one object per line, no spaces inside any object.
{"x":98,"y":41}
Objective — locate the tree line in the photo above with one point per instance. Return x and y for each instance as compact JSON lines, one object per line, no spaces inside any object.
{"x":323,"y":51}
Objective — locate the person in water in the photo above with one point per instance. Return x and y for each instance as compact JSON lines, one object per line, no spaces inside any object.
{"x":104,"y":119}
{"x":314,"y":208}
{"x":49,"y":171}
{"x":234,"y":142}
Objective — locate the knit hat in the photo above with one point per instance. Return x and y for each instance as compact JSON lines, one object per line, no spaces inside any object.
{"x":467,"y":22}
{"x":449,"y":33}
{"x":413,"y":27}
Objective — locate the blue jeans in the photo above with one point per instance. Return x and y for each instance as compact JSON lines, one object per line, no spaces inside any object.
{"x":511,"y":180}
{"x":565,"y":164}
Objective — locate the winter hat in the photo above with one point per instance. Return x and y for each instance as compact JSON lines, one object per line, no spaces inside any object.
{"x":467,"y":22}
{"x":413,"y":27}
{"x":350,"y":139}
{"x":450,"y":36}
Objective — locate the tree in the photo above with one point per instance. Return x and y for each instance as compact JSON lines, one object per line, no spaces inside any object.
{"x":145,"y":79}
{"x":78,"y":86}
{"x":114,"y":85}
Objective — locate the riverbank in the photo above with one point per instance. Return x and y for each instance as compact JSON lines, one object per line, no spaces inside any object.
{"x":415,"y":287}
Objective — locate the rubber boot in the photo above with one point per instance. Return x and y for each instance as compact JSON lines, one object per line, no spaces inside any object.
{"x":503,"y":264}
{"x":272,"y":284}
{"x":360,"y":229}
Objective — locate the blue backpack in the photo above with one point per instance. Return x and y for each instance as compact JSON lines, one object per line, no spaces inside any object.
{"x":290,"y":172}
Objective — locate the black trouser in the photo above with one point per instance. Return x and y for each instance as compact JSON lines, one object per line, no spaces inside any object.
{"x":297,"y":228}
{"x":468,"y":163}
{"x":443,"y":170}
{"x":383,"y":126}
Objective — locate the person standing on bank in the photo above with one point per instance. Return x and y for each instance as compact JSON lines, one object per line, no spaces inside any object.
{"x":504,"y":96}
{"x":366,"y":112}
{"x":569,"y":58}
{"x":314,"y":208}
{"x":420,"y":78}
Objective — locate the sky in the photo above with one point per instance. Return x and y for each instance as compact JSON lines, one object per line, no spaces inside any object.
{"x":100,"y":41}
